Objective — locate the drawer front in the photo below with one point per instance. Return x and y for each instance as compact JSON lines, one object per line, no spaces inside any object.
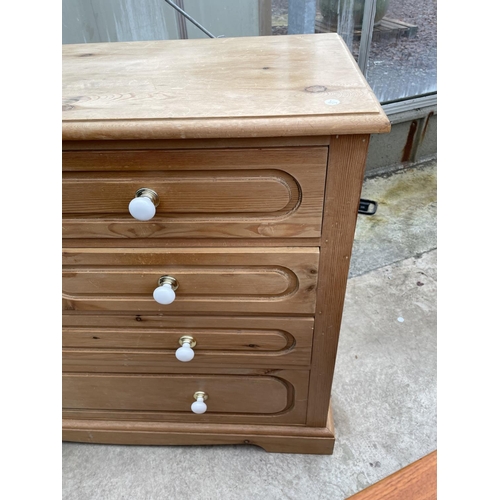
{"x":148,"y":344}
{"x":240,"y":193}
{"x":257,"y":280}
{"x":279,"y":397}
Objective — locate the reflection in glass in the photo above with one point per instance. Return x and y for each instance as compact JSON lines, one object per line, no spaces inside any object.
{"x":402,"y":60}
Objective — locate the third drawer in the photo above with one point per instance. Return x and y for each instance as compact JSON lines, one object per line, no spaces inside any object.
{"x":135,"y":344}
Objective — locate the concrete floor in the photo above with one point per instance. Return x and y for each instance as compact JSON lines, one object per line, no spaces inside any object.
{"x":384,"y":390}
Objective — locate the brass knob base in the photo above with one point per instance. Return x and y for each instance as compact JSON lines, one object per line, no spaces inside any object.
{"x":148,"y":193}
{"x":189,"y":339}
{"x":200,"y":394}
{"x":168,"y":280}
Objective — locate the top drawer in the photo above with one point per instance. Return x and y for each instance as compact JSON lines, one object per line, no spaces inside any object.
{"x":217,"y":193}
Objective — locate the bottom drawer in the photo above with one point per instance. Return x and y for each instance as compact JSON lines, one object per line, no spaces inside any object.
{"x":278,"y":396}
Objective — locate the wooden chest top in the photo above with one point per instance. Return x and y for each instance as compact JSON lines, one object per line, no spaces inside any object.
{"x":295,"y":85}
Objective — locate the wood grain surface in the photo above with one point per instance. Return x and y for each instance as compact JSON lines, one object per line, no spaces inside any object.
{"x":270,"y":280}
{"x":343,"y":189}
{"x":170,"y":144}
{"x":417,"y":481}
{"x":147,"y":344}
{"x":146,"y":397}
{"x":236,"y":193}
{"x":167,"y":393}
{"x":273,"y":438}
{"x":235,"y":87}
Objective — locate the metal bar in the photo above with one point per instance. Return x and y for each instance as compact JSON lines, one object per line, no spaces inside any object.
{"x":189,"y":18}
{"x":301,"y":16}
{"x":405,"y":105}
{"x":366,"y":34}
{"x":181,"y":21}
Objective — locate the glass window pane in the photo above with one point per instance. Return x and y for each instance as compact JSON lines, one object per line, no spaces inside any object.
{"x":402,"y":60}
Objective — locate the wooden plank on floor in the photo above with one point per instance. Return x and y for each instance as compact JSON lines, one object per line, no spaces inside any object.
{"x":417,"y":481}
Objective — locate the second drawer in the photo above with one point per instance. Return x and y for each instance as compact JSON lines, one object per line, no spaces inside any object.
{"x":254,"y":280}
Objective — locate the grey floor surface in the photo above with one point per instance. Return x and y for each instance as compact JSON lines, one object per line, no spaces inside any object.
{"x":384,"y":390}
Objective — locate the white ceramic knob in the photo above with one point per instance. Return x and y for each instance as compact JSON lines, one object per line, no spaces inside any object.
{"x":164,"y":294}
{"x":143,"y":206}
{"x":142,"y":209}
{"x":199,"y":406}
{"x":184,"y":353}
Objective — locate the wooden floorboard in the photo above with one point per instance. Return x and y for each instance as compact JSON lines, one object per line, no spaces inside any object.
{"x":417,"y":481}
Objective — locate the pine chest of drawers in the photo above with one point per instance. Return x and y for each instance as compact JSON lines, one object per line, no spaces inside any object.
{"x":210,"y":195}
